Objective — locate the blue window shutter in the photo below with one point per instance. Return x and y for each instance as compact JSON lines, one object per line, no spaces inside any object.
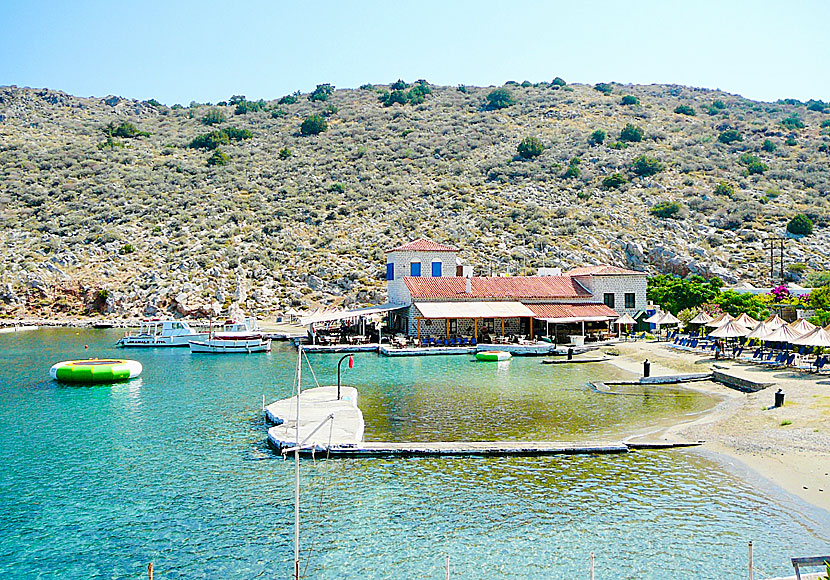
{"x":436,"y":269}
{"x":390,"y":271}
{"x":415,"y":269}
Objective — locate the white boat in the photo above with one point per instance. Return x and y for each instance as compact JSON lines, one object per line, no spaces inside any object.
{"x":248,"y":325}
{"x":232,"y":342}
{"x":158,"y":332}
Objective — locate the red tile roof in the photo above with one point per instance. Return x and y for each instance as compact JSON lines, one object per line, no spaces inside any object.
{"x":571,"y":310}
{"x":604,"y":270}
{"x":495,"y":288}
{"x":423,"y":245}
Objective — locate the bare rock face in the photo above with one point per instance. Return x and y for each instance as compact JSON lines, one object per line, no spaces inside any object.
{"x":8,"y":294}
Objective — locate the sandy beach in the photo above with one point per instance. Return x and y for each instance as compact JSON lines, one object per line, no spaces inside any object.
{"x":788,"y":446}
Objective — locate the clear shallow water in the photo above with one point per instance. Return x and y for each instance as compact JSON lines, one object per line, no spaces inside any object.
{"x":171,"y":468}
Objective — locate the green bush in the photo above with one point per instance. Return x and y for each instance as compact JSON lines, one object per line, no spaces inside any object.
{"x":214,"y":116}
{"x":629,"y":100}
{"x":337,"y":188}
{"x":614,"y":181}
{"x":793,"y":122}
{"x":720,"y":105}
{"x":224,"y":136}
{"x":110,"y":143}
{"x":825,"y":123}
{"x":288,"y":99}
{"x":321,"y":93}
{"x":754,"y":166}
{"x":399,"y":85}
{"x":724,"y":188}
{"x":666,"y":209}
{"x":218,"y":157}
{"x":330,"y":110}
{"x":730,"y":136}
{"x":125,"y":130}
{"x":314,"y":125}
{"x":558,"y":82}
{"x":573,"y":168}
{"x":604,"y":88}
{"x":646,"y":166}
{"x":685,"y":110}
{"x":127,"y":249}
{"x":461,"y":89}
{"x":790,"y":141}
{"x":499,"y":99}
{"x":631,"y":133}
{"x":367,"y":87}
{"x":414,"y":96}
{"x":768,"y":146}
{"x":285,"y":153}
{"x":278,"y":114}
{"x":597,"y":137}
{"x":530,"y":147}
{"x":675,"y":294}
{"x":800,"y":225}
{"x":818,"y":106}
{"x":245,"y":107}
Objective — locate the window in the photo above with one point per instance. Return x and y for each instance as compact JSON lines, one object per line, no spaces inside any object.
{"x":390,"y":271}
{"x":436,"y":269}
{"x":608,"y":299}
{"x":453,"y":326}
{"x":629,"y":300}
{"x":415,"y":269}
{"x":487,"y":325}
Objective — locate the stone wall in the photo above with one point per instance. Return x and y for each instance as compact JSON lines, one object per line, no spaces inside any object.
{"x":619,"y":286}
{"x":396,"y":289}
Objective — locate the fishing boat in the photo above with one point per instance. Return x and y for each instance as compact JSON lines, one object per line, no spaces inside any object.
{"x":157,"y":332}
{"x":243,"y":336}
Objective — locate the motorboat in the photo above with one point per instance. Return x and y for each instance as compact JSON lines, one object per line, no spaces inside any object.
{"x":157,"y":332}
{"x":232,"y":342}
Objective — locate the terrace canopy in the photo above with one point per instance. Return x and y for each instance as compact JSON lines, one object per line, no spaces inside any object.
{"x":473,"y":310}
{"x":334,"y":315}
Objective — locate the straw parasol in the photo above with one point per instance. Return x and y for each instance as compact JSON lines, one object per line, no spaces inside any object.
{"x":624,"y":320}
{"x":720,"y":320}
{"x":802,"y":327}
{"x":654,"y":318}
{"x":775,"y":321}
{"x":761,"y":330}
{"x":730,"y":329}
{"x":782,"y":334}
{"x":668,"y":318}
{"x":701,"y":318}
{"x":827,"y":328}
{"x":746,"y":320}
{"x":816,"y":337}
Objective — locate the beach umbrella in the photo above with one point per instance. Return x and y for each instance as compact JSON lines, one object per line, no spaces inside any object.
{"x":827,"y":328}
{"x":624,"y":320}
{"x":775,"y":321}
{"x":720,"y":320}
{"x":783,"y":334}
{"x":668,"y":318}
{"x":802,"y":327}
{"x":654,"y":318}
{"x":701,"y":318}
{"x":816,"y":337}
{"x":761,"y":330}
{"x":730,"y":329}
{"x":746,"y":320}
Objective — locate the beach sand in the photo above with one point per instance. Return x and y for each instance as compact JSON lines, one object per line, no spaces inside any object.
{"x":788,"y":446}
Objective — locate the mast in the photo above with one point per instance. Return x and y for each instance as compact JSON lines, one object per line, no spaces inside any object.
{"x":297,"y":467}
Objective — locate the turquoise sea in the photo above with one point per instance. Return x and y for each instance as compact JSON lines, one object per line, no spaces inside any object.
{"x":172,"y":468}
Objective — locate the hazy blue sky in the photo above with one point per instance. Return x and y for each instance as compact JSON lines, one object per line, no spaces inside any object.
{"x":183,"y":50}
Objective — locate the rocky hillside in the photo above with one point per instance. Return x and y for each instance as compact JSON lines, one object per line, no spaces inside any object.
{"x":116,"y":205}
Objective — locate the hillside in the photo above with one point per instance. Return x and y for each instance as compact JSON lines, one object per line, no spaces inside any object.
{"x":141,"y":224}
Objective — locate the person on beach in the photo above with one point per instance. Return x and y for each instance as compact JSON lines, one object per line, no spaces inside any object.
{"x":717,"y":350}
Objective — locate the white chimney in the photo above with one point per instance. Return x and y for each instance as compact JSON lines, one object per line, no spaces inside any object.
{"x":468,"y":285}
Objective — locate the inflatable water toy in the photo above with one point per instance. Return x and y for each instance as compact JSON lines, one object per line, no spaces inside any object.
{"x":493,"y":355}
{"x":95,"y":370}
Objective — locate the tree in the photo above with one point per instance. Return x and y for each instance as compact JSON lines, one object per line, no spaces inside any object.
{"x":597,"y":137}
{"x":288,"y":100}
{"x":768,"y":146}
{"x":800,"y":225}
{"x":736,"y":303}
{"x":214,"y":116}
{"x":631,"y":133}
{"x":125,"y":130}
{"x":604,"y":88}
{"x":646,"y":166}
{"x":499,"y":99}
{"x":573,"y":168}
{"x":666,"y":209}
{"x":685,"y":110}
{"x":730,"y":136}
{"x":675,"y":294}
{"x":558,"y":82}
{"x":313,"y":125}
{"x":818,"y":279}
{"x":224,"y":136}
{"x":245,"y":107}
{"x":321,"y":93}
{"x":218,"y":158}
{"x":530,"y":147}
{"x":629,"y":100}
{"x":752,"y":163}
{"x":399,"y":85}
{"x":614,"y":181}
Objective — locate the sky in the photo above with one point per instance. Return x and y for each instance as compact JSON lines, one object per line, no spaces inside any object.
{"x":180,"y":51}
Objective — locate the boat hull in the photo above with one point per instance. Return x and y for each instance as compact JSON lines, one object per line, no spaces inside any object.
{"x":230,"y":346}
{"x":160,"y":341}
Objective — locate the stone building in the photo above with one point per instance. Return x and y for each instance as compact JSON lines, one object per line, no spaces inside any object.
{"x":435,"y":297}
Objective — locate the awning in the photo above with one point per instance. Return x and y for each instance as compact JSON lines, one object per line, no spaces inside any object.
{"x":569,"y":313}
{"x":499,"y":309}
{"x":332,"y":315}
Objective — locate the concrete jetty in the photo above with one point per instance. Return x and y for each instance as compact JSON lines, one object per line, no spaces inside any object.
{"x":335,"y":427}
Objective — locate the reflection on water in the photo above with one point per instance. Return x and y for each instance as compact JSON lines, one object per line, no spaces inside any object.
{"x":172,"y":468}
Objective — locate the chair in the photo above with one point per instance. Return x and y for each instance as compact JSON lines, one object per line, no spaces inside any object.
{"x":473,"y":342}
